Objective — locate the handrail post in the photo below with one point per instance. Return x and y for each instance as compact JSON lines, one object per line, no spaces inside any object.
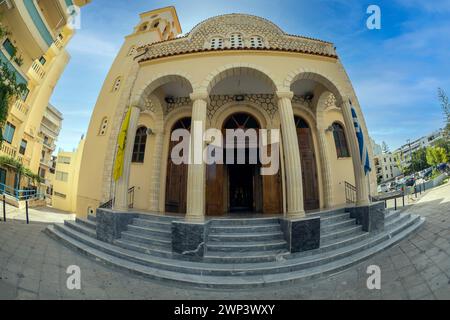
{"x":4,"y":208}
{"x":26,"y":208}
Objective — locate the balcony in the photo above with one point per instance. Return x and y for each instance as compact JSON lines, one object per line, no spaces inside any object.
{"x":36,"y":72}
{"x":8,"y":150}
{"x":49,"y":132}
{"x":20,"y":110}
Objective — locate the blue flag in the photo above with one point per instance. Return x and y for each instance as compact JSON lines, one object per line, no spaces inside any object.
{"x":364,"y":153}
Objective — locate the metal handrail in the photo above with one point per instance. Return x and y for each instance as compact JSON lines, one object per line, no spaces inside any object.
{"x":109,"y":204}
{"x":20,"y":195}
{"x":350,"y":192}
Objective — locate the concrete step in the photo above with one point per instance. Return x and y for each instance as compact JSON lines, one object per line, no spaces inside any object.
{"x":92,"y":217}
{"x":340,"y":233}
{"x":245,"y":229}
{"x":254,"y":246}
{"x":87,"y":223}
{"x":81,"y":228}
{"x":244,"y":222}
{"x":329,"y":220}
{"x":147,"y":240}
{"x":245,"y":237}
{"x":151,"y":232}
{"x":153,"y":224}
{"x":222,"y":276}
{"x":397,"y":220}
{"x":343,"y":224}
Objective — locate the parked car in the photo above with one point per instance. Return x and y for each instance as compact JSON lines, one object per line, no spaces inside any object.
{"x":382,"y":188}
{"x":410,"y":182}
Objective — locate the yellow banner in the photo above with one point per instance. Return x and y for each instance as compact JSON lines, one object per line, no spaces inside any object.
{"x":121,"y":143}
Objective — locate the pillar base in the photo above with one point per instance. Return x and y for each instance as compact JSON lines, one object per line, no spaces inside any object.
{"x":371,"y":217}
{"x":301,"y":234}
{"x":189,"y":238}
{"x":296,"y":215}
{"x":111,"y":224}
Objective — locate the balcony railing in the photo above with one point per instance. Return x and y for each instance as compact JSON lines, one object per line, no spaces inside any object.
{"x":37,"y":71}
{"x":20,"y":109}
{"x":8,"y":150}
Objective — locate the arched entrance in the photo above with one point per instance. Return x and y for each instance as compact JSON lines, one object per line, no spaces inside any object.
{"x":176,"y":183}
{"x":309,"y":168}
{"x":238,"y":187}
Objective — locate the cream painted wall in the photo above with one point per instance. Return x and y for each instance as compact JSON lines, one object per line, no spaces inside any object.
{"x":70,"y":187}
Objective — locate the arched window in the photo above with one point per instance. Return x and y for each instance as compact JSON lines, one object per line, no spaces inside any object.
{"x":340,"y":141}
{"x":256,"y":42}
{"x":216,"y":43}
{"x":139,"y":145}
{"x":103,"y":127}
{"x":116,"y":85}
{"x":236,"y":41}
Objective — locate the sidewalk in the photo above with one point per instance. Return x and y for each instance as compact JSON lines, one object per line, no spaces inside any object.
{"x":42,"y":215}
{"x":33,"y":266}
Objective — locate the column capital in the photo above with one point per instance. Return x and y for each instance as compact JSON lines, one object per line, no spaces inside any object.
{"x":285,"y":95}
{"x":200,"y":95}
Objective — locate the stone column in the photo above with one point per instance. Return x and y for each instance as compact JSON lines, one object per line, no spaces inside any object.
{"x":121,"y":198}
{"x":325,"y":164}
{"x":155,"y":187}
{"x":293,"y":168}
{"x":362,"y":189}
{"x":197,"y":169}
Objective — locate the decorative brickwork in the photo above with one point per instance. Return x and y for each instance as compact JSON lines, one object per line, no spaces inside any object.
{"x":273,"y":38}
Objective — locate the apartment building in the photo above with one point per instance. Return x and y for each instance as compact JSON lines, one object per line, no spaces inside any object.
{"x":34,"y":49}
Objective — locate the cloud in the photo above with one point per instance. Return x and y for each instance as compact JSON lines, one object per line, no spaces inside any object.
{"x":90,"y":44}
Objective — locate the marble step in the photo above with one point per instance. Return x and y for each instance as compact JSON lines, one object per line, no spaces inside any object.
{"x":329,"y":213}
{"x":397,"y":220}
{"x":87,"y":223}
{"x":151,"y":232}
{"x":254,"y":246}
{"x":245,"y":257}
{"x":161,"y":218}
{"x":81,"y":228}
{"x":147,"y":240}
{"x":243,"y":276}
{"x":92,"y":217}
{"x":245,"y":229}
{"x":337,"y":226}
{"x":142,"y":248}
{"x":391,"y":216}
{"x":245,"y":237}
{"x":325,"y":221}
{"x":340,"y":233}
{"x":243,"y":222}
{"x":153,"y":224}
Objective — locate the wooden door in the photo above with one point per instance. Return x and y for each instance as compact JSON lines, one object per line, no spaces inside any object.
{"x":215,"y":181}
{"x":176,"y":182}
{"x":309,"y":168}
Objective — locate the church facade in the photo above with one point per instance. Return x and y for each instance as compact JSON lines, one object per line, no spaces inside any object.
{"x":233,"y":71}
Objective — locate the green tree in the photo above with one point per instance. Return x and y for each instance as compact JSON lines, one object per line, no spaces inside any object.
{"x":436,"y":156}
{"x":419,"y":160}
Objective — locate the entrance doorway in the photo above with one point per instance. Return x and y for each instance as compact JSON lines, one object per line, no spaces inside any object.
{"x":241,"y":191}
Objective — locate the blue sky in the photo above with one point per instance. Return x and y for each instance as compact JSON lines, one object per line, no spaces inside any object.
{"x":395,"y":71}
